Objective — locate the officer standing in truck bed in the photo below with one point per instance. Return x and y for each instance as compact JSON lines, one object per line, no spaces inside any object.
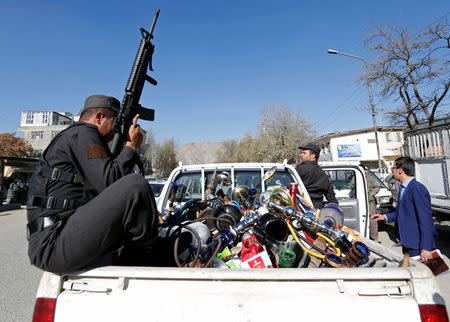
{"x":316,"y":181}
{"x":84,"y":203}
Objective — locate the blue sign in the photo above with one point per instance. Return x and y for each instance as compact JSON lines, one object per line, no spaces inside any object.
{"x":349,"y":151}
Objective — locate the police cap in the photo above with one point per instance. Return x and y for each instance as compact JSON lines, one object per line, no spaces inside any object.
{"x":312,"y":147}
{"x":102,"y":101}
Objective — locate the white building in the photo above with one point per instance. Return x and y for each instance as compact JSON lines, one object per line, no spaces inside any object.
{"x":360,"y":146}
{"x":40,"y":127}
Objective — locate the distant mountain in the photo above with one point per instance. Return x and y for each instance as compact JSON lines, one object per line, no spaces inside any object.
{"x":197,"y":153}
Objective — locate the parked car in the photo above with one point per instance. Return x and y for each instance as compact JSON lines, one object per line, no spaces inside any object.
{"x":157,"y":187}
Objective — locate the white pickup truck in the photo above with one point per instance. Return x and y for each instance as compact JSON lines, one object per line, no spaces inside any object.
{"x":377,"y":291}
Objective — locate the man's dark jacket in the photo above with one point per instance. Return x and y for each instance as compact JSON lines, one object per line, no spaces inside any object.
{"x":316,"y":182}
{"x":414,"y":218}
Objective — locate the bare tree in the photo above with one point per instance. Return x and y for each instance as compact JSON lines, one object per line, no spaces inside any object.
{"x":412,"y":68}
{"x":246,"y":150}
{"x":165,"y":158}
{"x":228,"y":152}
{"x":249,"y":150}
{"x":440,"y":32}
{"x":280,"y":132}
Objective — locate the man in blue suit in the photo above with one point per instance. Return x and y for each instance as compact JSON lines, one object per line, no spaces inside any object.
{"x":413,"y":216}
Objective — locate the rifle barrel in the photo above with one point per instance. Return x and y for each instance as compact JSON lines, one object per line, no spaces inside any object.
{"x":154,"y":22}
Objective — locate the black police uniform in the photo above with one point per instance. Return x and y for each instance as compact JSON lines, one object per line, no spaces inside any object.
{"x":83,"y":203}
{"x":317,"y":183}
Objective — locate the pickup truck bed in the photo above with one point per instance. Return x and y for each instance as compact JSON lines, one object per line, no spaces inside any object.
{"x":378,"y":291}
{"x":384,"y":292}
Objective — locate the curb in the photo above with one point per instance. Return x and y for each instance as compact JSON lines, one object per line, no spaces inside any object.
{"x":12,"y":206}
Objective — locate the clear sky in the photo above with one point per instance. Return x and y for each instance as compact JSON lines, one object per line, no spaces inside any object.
{"x":217,"y":62}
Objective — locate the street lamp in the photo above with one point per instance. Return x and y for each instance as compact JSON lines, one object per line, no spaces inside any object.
{"x":372,"y":108}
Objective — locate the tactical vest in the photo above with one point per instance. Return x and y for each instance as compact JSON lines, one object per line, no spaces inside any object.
{"x":39,"y":202}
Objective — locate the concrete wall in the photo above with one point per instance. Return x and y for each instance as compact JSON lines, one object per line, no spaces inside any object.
{"x":361,"y":147}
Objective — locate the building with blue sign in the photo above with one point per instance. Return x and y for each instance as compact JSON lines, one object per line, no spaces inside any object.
{"x":359,"y":146}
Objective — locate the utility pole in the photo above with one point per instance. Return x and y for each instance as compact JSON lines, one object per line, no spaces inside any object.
{"x":372,"y":107}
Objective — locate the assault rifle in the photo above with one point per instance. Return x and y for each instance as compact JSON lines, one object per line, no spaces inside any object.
{"x":130,"y":103}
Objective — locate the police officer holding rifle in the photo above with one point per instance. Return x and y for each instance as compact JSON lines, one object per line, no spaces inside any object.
{"x":84,"y":201}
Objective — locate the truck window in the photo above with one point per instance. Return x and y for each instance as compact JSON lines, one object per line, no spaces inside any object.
{"x":251,"y":179}
{"x":343,"y":182}
{"x":376,"y":179}
{"x":192,"y":186}
{"x":226,"y":189}
{"x":281,"y":178}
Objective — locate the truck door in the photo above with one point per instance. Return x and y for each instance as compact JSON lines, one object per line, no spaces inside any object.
{"x":351,"y":192}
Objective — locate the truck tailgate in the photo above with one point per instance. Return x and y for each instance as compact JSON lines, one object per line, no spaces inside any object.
{"x":162,"y":294}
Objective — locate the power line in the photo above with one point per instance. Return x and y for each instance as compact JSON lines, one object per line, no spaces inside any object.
{"x":340,"y":107}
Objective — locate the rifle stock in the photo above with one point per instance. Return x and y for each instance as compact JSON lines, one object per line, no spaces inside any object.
{"x":133,"y":90}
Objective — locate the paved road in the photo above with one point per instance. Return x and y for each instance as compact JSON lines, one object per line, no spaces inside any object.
{"x":19,"y":280}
